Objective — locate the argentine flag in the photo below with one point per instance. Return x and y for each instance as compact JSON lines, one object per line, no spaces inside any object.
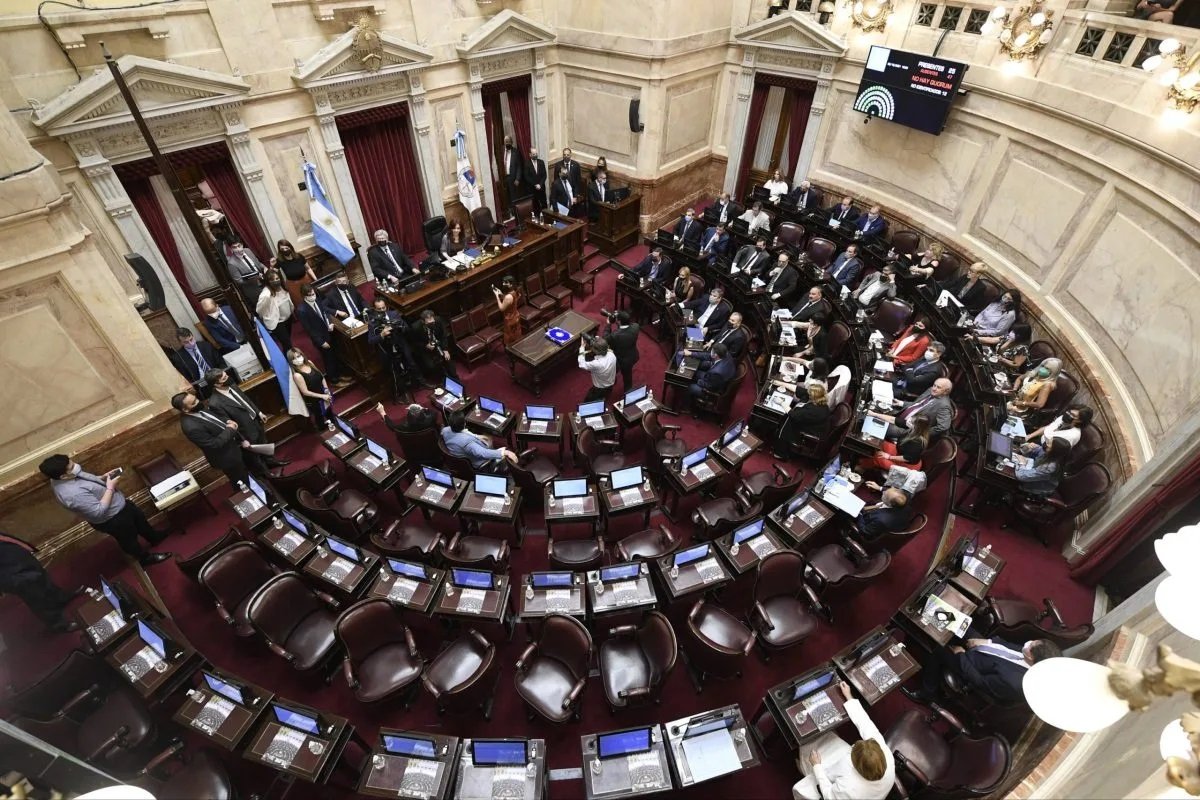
{"x":327,"y":229}
{"x":468,"y":192}
{"x":292,"y":399}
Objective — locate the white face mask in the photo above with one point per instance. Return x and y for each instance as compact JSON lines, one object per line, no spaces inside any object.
{"x":929,"y":355}
{"x":76,"y":469}
{"x":299,"y":362}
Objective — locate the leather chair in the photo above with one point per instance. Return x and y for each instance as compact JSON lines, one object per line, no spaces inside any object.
{"x":476,"y":552}
{"x":576,"y":277}
{"x":956,"y":764}
{"x":575,"y":554}
{"x":770,"y":487}
{"x":458,"y":467}
{"x":947,"y":268}
{"x":523,"y":210}
{"x":232,"y":577}
{"x":893,"y":541}
{"x":1091,"y":442}
{"x":483,"y":223}
{"x":1019,"y":621}
{"x":991,"y":293}
{"x":1074,"y":494}
{"x":162,"y":467}
{"x":532,"y":316}
{"x":661,"y":443}
{"x":1039,"y":351}
{"x":820,"y":251}
{"x":535,"y":295}
{"x":532,"y":473}
{"x":319,"y":479}
{"x":780,"y":618}
{"x":941,"y":456}
{"x":820,"y":448}
{"x":635,"y":661}
{"x":190,"y":565}
{"x":598,"y":454}
{"x":646,"y":545}
{"x":419,"y":447}
{"x":842,"y":569}
{"x":409,"y":538}
{"x":347,"y":513}
{"x":481,"y":325}
{"x":891,"y":317}
{"x":381,"y":658}
{"x":462,"y":677}
{"x":432,"y":231}
{"x":906,"y":242}
{"x":839,"y":337}
{"x":296,"y":623}
{"x":717,"y":643}
{"x":469,"y":347}
{"x":553,"y":671}
{"x":718,"y":403}
{"x":552,"y":284}
{"x":719,"y":516}
{"x":790,"y":235}
{"x":201,"y":775}
{"x":1065,"y":388}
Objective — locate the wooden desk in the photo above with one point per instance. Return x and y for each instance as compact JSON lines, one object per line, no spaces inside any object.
{"x":231,"y":733}
{"x":410,"y":593}
{"x":750,"y":552}
{"x":688,"y":581}
{"x":157,"y":684}
{"x":355,"y":349}
{"x":383,"y":773}
{"x":642,"y":497}
{"x":539,"y":356}
{"x":690,"y":482}
{"x":556,"y":510}
{"x":340,"y":444}
{"x":604,"y":423}
{"x":800,"y":527}
{"x":478,"y":421}
{"x":250,"y":509}
{"x":632,"y":416}
{"x":433,"y":496}
{"x":911,"y":617}
{"x":747,"y":750}
{"x":476,"y":783}
{"x":382,"y":475}
{"x":502,"y":510}
{"x":448,"y":404}
{"x":792,"y":715}
{"x":639,"y":597}
{"x":617,"y":226}
{"x":980,"y":574}
{"x":345,"y":590}
{"x":287,"y":543}
{"x":494,"y":608}
{"x":540,"y":430}
{"x":866,"y":662}
{"x":535,"y":602}
{"x":733,"y":455}
{"x":309,"y":766}
{"x":96,"y":608}
{"x":610,"y":777}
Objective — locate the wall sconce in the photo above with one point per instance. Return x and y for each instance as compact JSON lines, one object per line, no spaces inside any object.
{"x":870,"y":15}
{"x":1024,"y":32}
{"x":825,"y":10}
{"x":1181,"y":76}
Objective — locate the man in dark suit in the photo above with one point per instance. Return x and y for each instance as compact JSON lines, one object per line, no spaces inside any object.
{"x":870,"y":226}
{"x":711,"y":310}
{"x":418,"y":418}
{"x":844,"y":213}
{"x":847,"y":267}
{"x":715,"y":243}
{"x":247,"y":272}
{"x":724,"y":210}
{"x":388,"y":259}
{"x":655,"y":267}
{"x":23,"y":575}
{"x":784,"y":281}
{"x":623,"y":343}
{"x":805,"y":196}
{"x":215,"y":434}
{"x":597,"y":193}
{"x":430,"y":343}
{"x":733,"y":336}
{"x":513,"y":167}
{"x":751,"y":259}
{"x":993,"y":667}
{"x":237,"y":406}
{"x":890,"y":515}
{"x":688,"y":229}
{"x":934,"y":403}
{"x":717,"y":368}
{"x":812,"y":304}
{"x":318,"y":324}
{"x":570,"y":167}
{"x":921,"y":375}
{"x":222,"y":326}
{"x":194,"y":358}
{"x":536,"y":179}
{"x":342,"y":300}
{"x":563,"y":195}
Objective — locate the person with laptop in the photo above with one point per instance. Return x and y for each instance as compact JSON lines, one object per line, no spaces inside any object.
{"x":21,"y":574}
{"x":475,"y":448}
{"x":934,"y":402}
{"x":1040,"y":476}
{"x":596,"y":359}
{"x":834,"y":769}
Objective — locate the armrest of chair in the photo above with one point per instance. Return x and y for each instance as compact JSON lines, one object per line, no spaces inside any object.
{"x":503,"y":554}
{"x":950,"y":719}
{"x":671,"y":429}
{"x":327,"y":599}
{"x":665,"y":534}
{"x":576,"y":690}
{"x":452,"y":545}
{"x":526,"y":454}
{"x":412,"y":643}
{"x":530,"y":649}
{"x":433,"y":690}
{"x":389,"y":531}
{"x":628,"y":694}
{"x":114,"y":740}
{"x":811,"y":571}
{"x":330,"y":492}
{"x":911,"y":768}
{"x":174,"y":748}
{"x":762,"y":615}
{"x":348,"y":671}
{"x":749,"y":646}
{"x":224,"y":614}
{"x":612,"y":444}
{"x":811,"y":594}
{"x":279,"y":651}
{"x":1052,"y":611}
{"x":623,"y":630}
{"x":781,"y":473}
{"x":695,"y":610}
{"x":90,"y":693}
{"x":856,"y":549}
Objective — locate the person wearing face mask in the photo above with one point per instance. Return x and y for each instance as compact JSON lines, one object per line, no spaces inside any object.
{"x":910,"y":345}
{"x":751,"y":258}
{"x":275,"y":310}
{"x":783,"y":282}
{"x":655,"y":267}
{"x":317,"y":322}
{"x":313,"y":387}
{"x":1034,"y":387}
{"x":711,"y":311}
{"x":998,"y":318}
{"x":342,"y":300}
{"x":871,"y":225}
{"x":247,"y":272}
{"x":194,"y":358}
{"x":920,"y":376}
{"x":598,"y":192}
{"x":876,"y":286}
{"x":723,"y":210}
{"x":777,"y":187}
{"x":222,"y":326}
{"x":97,"y":499}
{"x":216,"y":435}
{"x":714,"y":243}
{"x":570,"y":169}
{"x":294,"y":267}
{"x":388,"y":260}
{"x":512,"y":166}
{"x":688,"y":230}
{"x":536,"y":178}
{"x":563,"y":195}
{"x":237,"y":406}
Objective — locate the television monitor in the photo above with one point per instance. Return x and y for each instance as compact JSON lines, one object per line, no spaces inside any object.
{"x":297,"y":720}
{"x":592,"y":409}
{"x":342,"y":549}
{"x":550,"y":580}
{"x":620,"y":572}
{"x":732,"y":432}
{"x":407,"y":569}
{"x":811,"y":685}
{"x":691,"y":554}
{"x":453,"y":387}
{"x":910,"y":89}
{"x":224,"y":688}
{"x":695,"y":457}
{"x":472,"y":578}
{"x":494,"y":406}
{"x":797,"y":503}
{"x":348,"y":428}
{"x":624,"y":478}
{"x":623,"y":743}
{"x":379,"y":451}
{"x":540,"y":412}
{"x":636,"y":396}
{"x":411,"y":746}
{"x":499,"y":752}
{"x":437,"y":476}
{"x":495,"y":485}
{"x":748,"y":532}
{"x":295,"y":522}
{"x":574,"y":487}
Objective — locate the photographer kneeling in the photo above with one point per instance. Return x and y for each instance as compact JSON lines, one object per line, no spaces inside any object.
{"x":595,"y":357}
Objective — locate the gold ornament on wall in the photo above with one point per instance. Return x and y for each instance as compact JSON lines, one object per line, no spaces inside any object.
{"x":1024,"y":32}
{"x":367,"y":44}
{"x":1181,"y":76}
{"x":870,"y":15}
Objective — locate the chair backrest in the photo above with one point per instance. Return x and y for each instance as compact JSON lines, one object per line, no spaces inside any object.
{"x":1091,"y":442}
{"x":316,"y":478}
{"x":525,"y":480}
{"x":839,"y":421}
{"x":157,"y":469}
{"x":235,"y":573}
{"x":780,"y":573}
{"x":367,"y":626}
{"x":565,"y":639}
{"x":483,"y":223}
{"x":774,"y":494}
{"x":280,"y":605}
{"x":432,"y":231}
{"x":656,"y":638}
{"x":856,"y":581}
{"x":523,"y":209}
{"x":837,"y":338}
{"x":1040,"y":350}
{"x":723,"y":401}
{"x":586,"y":444}
{"x":941,"y":454}
{"x":948,"y":266}
{"x":991,"y":292}
{"x":697,"y":282}
{"x":841,"y":377}
{"x":459,"y":467}
{"x":1089,"y":484}
{"x":190,"y":565}
{"x":533,"y":284}
{"x":790,"y":234}
{"x":820,"y":251}
{"x":892,"y":316}
{"x":479,"y":318}
{"x":906,"y":242}
{"x":460,"y":326}
{"x":551,"y":276}
{"x":1061,"y":395}
{"x":420,"y":447}
{"x":76,"y":672}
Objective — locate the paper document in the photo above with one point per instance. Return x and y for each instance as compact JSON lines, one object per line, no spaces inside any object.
{"x":711,"y":755}
{"x":956,"y":624}
{"x":874,"y":427}
{"x":810,"y":516}
{"x":883,"y":365}
{"x":1013,"y":426}
{"x":844,"y":499}
{"x":881,"y":391}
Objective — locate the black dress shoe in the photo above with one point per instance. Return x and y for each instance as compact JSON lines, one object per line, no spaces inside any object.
{"x":153,"y":558}
{"x":64,"y":626}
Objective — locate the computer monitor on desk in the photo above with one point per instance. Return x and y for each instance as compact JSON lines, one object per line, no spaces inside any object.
{"x":228,"y":690}
{"x":624,"y":478}
{"x":814,"y":684}
{"x":499,"y":752}
{"x":296,"y":719}
{"x":344,"y":549}
{"x":348,"y":428}
{"x":624,"y":743}
{"x":574,"y":487}
{"x":545,"y":413}
{"x":411,"y":746}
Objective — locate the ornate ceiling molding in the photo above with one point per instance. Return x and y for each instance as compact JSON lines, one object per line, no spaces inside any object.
{"x":790,"y":43}
{"x":340,"y":63}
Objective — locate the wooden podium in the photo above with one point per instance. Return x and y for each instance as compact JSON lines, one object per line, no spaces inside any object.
{"x":617,"y":226}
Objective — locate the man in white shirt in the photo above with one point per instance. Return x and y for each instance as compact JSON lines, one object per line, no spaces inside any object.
{"x":602,"y":364}
{"x":836,"y":770}
{"x":756,"y":219}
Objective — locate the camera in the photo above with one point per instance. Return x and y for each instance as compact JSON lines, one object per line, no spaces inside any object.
{"x":608,"y":315}
{"x":588,"y":338}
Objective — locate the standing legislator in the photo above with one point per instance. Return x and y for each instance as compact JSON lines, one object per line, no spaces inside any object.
{"x":97,"y":500}
{"x":215,"y":434}
{"x":23,"y":575}
{"x":238,"y":406}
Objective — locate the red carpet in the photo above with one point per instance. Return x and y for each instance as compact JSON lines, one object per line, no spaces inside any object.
{"x":1033,"y":572}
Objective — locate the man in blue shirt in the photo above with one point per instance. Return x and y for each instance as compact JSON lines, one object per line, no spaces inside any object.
{"x":462,"y":443}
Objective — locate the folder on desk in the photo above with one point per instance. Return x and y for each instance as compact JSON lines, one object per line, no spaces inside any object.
{"x":881,"y":391}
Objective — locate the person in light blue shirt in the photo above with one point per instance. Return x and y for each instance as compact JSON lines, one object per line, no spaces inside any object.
{"x":463,"y":444}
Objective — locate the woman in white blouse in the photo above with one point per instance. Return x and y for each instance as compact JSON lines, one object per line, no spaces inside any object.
{"x":756,"y":219}
{"x":275,"y":308}
{"x":777,"y":187}
{"x":836,"y":770}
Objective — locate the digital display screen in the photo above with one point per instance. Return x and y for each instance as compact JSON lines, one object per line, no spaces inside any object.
{"x":378,"y":450}
{"x":258,"y":490}
{"x":495,"y":485}
{"x":623,"y":743}
{"x":700,"y":728}
{"x":796,"y":503}
{"x":624,"y":478}
{"x":226,"y":690}
{"x":591,"y":409}
{"x":409,"y":746}
{"x":453,"y":387}
{"x":349,"y":551}
{"x":576,"y":487}
{"x":294,"y":719}
{"x":499,"y":752}
{"x":909,"y":88}
{"x":747,"y":532}
{"x":295,"y":522}
{"x":543,"y":580}
{"x":405,"y":568}
{"x":152,"y":638}
{"x":691,"y":554}
{"x":695,"y":334}
{"x":695,"y":457}
{"x":437,"y":476}
{"x":621,"y":572}
{"x":345,"y":427}
{"x":734,"y":431}
{"x":540,"y":412}
{"x":810,"y":686}
{"x":832,"y":468}
{"x":636,"y":396}
{"x":112,"y":598}
{"x":488,"y":404}
{"x":472,"y":578}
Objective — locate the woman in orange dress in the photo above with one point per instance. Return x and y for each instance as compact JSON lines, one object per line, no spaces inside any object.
{"x":508,"y":299}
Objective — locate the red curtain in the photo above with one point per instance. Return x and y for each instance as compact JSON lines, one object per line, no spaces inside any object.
{"x":145,"y":202}
{"x":492,"y":114}
{"x":802,"y":104}
{"x":518,"y":104}
{"x":758,"y":102}
{"x":223,"y":180}
{"x":1139,"y":523}
{"x":383,"y":165}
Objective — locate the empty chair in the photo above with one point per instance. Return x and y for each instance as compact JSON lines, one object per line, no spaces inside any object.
{"x":906,"y":242}
{"x":462,"y":677}
{"x":318,"y":479}
{"x":419,"y":447}
{"x":660,"y":441}
{"x":1019,"y":621}
{"x":483,"y":223}
{"x":770,"y":487}
{"x":790,"y":235}
{"x":532,"y":473}
{"x":349,"y":513}
{"x":535,"y":309}
{"x":552,"y":285}
{"x":717,"y":517}
{"x":381,"y":659}
{"x":161,"y":468}
{"x":201,"y":774}
{"x":481,"y":325}
{"x":553,"y":671}
{"x":296,"y":623}
{"x":838,"y":338}
{"x":1074,"y":494}
{"x":843,"y":569}
{"x":635,"y":661}
{"x":942,"y":454}
{"x":409,"y":538}
{"x":470,"y":348}
{"x":190,"y":565}
{"x":646,"y":545}
{"x":576,"y":277}
{"x":891,"y":317}
{"x":575,"y":554}
{"x":598,"y":454}
{"x":479,"y":552}
{"x":1091,"y":442}
{"x":523,"y":210}
{"x":232,"y":577}
{"x":954,"y":764}
{"x":1039,"y":351}
{"x":536,"y":296}
{"x":432,"y":231}
{"x":782,"y":614}
{"x":820,"y":251}
{"x":717,"y":642}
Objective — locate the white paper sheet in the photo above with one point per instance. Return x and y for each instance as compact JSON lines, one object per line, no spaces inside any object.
{"x":711,"y":755}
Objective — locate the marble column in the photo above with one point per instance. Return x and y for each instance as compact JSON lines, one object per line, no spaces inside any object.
{"x":237,"y":136}
{"x":541,"y":112}
{"x":426,"y":155}
{"x":815,"y":115}
{"x":737,"y":122}
{"x":351,"y":211}
{"x":483,"y":166}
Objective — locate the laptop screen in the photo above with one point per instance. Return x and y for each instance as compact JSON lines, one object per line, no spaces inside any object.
{"x":454,"y":387}
{"x":472,"y":578}
{"x":295,"y":522}
{"x":623,"y":743}
{"x":294,"y":719}
{"x":734,"y":431}
{"x":621,"y":572}
{"x":112,"y":598}
{"x":624,"y":478}
{"x":695,"y":457}
{"x":495,"y":485}
{"x":437,"y":476}
{"x":543,"y":580}
{"x":488,"y":404}
{"x":691,"y":554}
{"x":342,"y":549}
{"x":226,"y":690}
{"x":412,"y":746}
{"x":499,"y":752}
{"x":377,"y":450}
{"x":407,"y":569}
{"x":576,"y":487}
{"x":695,"y":334}
{"x":345,"y":427}
{"x":591,"y":409}
{"x":999,"y":444}
{"x":874,"y":427}
{"x":747,"y":532}
{"x":257,"y":488}
{"x":636,"y":396}
{"x":540,"y":412}
{"x":797,"y":503}
{"x":701,"y":727}
{"x":152,"y":638}
{"x":832,"y":468}
{"x":813,"y":684}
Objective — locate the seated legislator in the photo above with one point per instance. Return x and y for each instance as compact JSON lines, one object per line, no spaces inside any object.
{"x":756,"y":219}
{"x":933,"y":402}
{"x":846,"y":267}
{"x":910,"y":481}
{"x":968,"y":287}
{"x":812,"y":304}
{"x":818,"y":340}
{"x":993,"y":667}
{"x":818,"y":375}
{"x":926,"y":261}
{"x":682,"y":288}
{"x":717,"y":368}
{"x":844,"y":214}
{"x":454,"y":241}
{"x":1040,"y":476}
{"x":876,"y":286}
{"x":194,"y":358}
{"x":715,"y":243}
{"x":723,"y":210}
{"x":418,"y":418}
{"x":808,"y":418}
{"x":777,"y":187}
{"x":751,"y":258}
{"x":654,"y":267}
{"x":910,"y":345}
{"x":1012,"y":350}
{"x":733,"y":335}
{"x":222,"y":326}
{"x":836,"y":770}
{"x":342,"y":300}
{"x":998,"y":317}
{"x":388,"y":259}
{"x":688,"y":229}
{"x":1034,"y":387}
{"x":805,"y":196}
{"x":918,"y":377}
{"x":711,"y":310}
{"x":891,"y":514}
{"x":475,"y":448}
{"x":905,"y":453}
{"x":783,"y":282}
{"x":870,"y":226}
{"x":1067,"y":426}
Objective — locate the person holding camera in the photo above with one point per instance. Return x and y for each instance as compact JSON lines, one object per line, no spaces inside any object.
{"x":596,"y":358}
{"x":508,"y":300}
{"x":623,"y":344}
{"x":431,"y":346}
{"x":389,"y":332}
